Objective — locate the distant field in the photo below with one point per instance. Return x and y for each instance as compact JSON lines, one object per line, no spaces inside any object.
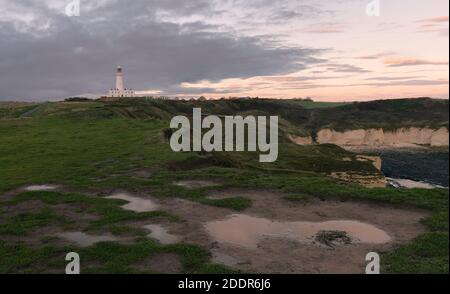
{"x":313,"y":104}
{"x":13,"y":105}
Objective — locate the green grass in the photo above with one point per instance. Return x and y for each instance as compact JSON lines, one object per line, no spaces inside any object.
{"x":25,"y":259}
{"x":23,"y":223}
{"x":383,"y":114}
{"x":90,"y":145}
{"x":107,"y":211}
{"x":104,"y":257}
{"x":426,"y":254}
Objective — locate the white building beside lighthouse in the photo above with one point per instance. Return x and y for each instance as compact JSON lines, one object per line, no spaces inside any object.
{"x":120,"y":90}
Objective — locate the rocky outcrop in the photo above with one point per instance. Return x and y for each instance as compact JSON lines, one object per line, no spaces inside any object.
{"x":376,"y":160}
{"x":369,"y":181}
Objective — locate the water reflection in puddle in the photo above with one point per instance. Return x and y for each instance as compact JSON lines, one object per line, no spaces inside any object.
{"x":193,"y":184}
{"x":84,"y":239}
{"x":136,"y":204}
{"x":161,"y":234}
{"x":248,"y":231}
{"x":40,"y":188}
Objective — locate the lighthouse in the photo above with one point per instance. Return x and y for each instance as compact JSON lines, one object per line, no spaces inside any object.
{"x":120,"y":91}
{"x":119,"y":79}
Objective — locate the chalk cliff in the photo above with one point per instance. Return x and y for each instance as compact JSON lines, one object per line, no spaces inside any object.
{"x":379,"y":138}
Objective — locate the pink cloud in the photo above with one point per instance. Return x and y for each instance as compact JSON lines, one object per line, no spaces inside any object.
{"x":437,"y":24}
{"x":436,"y":19}
{"x":377,"y":55}
{"x":324,"y":28}
{"x":410,"y":61}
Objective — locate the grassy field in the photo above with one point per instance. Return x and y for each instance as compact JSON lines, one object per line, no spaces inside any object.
{"x":95,"y":146}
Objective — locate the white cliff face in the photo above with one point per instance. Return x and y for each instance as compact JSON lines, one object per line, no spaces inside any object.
{"x":378,"y":138}
{"x":301,"y":140}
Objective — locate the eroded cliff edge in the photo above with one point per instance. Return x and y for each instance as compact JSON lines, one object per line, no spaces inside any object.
{"x":378,"y":138}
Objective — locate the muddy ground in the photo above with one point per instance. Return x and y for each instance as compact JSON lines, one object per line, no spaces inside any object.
{"x":286,"y":256}
{"x":272,"y":255}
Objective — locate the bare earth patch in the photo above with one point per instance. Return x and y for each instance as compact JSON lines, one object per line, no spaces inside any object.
{"x":167,"y":263}
{"x":284,"y":255}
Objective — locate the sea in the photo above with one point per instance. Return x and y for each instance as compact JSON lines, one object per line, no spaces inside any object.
{"x":421,"y":166}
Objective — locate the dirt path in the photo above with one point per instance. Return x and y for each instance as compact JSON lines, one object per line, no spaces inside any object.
{"x":30,"y":112}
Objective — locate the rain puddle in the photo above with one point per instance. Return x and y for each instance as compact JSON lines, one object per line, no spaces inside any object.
{"x":161,"y":234}
{"x":135,"y":204}
{"x":40,"y":188}
{"x":86,"y":240}
{"x":225,"y":259}
{"x":194,"y":184}
{"x":248,"y":231}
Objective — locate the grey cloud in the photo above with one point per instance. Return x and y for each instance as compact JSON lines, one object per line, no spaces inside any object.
{"x":78,"y":55}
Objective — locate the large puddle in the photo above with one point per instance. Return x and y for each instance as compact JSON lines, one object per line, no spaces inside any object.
{"x":248,"y":231}
{"x":40,"y":188}
{"x":161,"y":234}
{"x":135,"y":204}
{"x":85,"y":240}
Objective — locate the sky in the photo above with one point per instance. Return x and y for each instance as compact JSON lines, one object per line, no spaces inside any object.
{"x":329,"y":50}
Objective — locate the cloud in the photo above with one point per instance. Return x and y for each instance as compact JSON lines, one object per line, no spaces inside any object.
{"x":437,"y":19}
{"x":410,"y":61}
{"x":377,"y":55}
{"x":391,"y":78}
{"x":288,"y":79}
{"x":345,"y":68}
{"x":387,"y":26}
{"x":78,"y":55}
{"x":165,"y":44}
{"x":410,"y":83}
{"x":324,"y":28}
{"x":434,"y":25}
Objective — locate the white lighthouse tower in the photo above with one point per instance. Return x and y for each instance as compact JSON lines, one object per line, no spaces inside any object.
{"x":119,"y":79}
{"x":120,"y":90}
